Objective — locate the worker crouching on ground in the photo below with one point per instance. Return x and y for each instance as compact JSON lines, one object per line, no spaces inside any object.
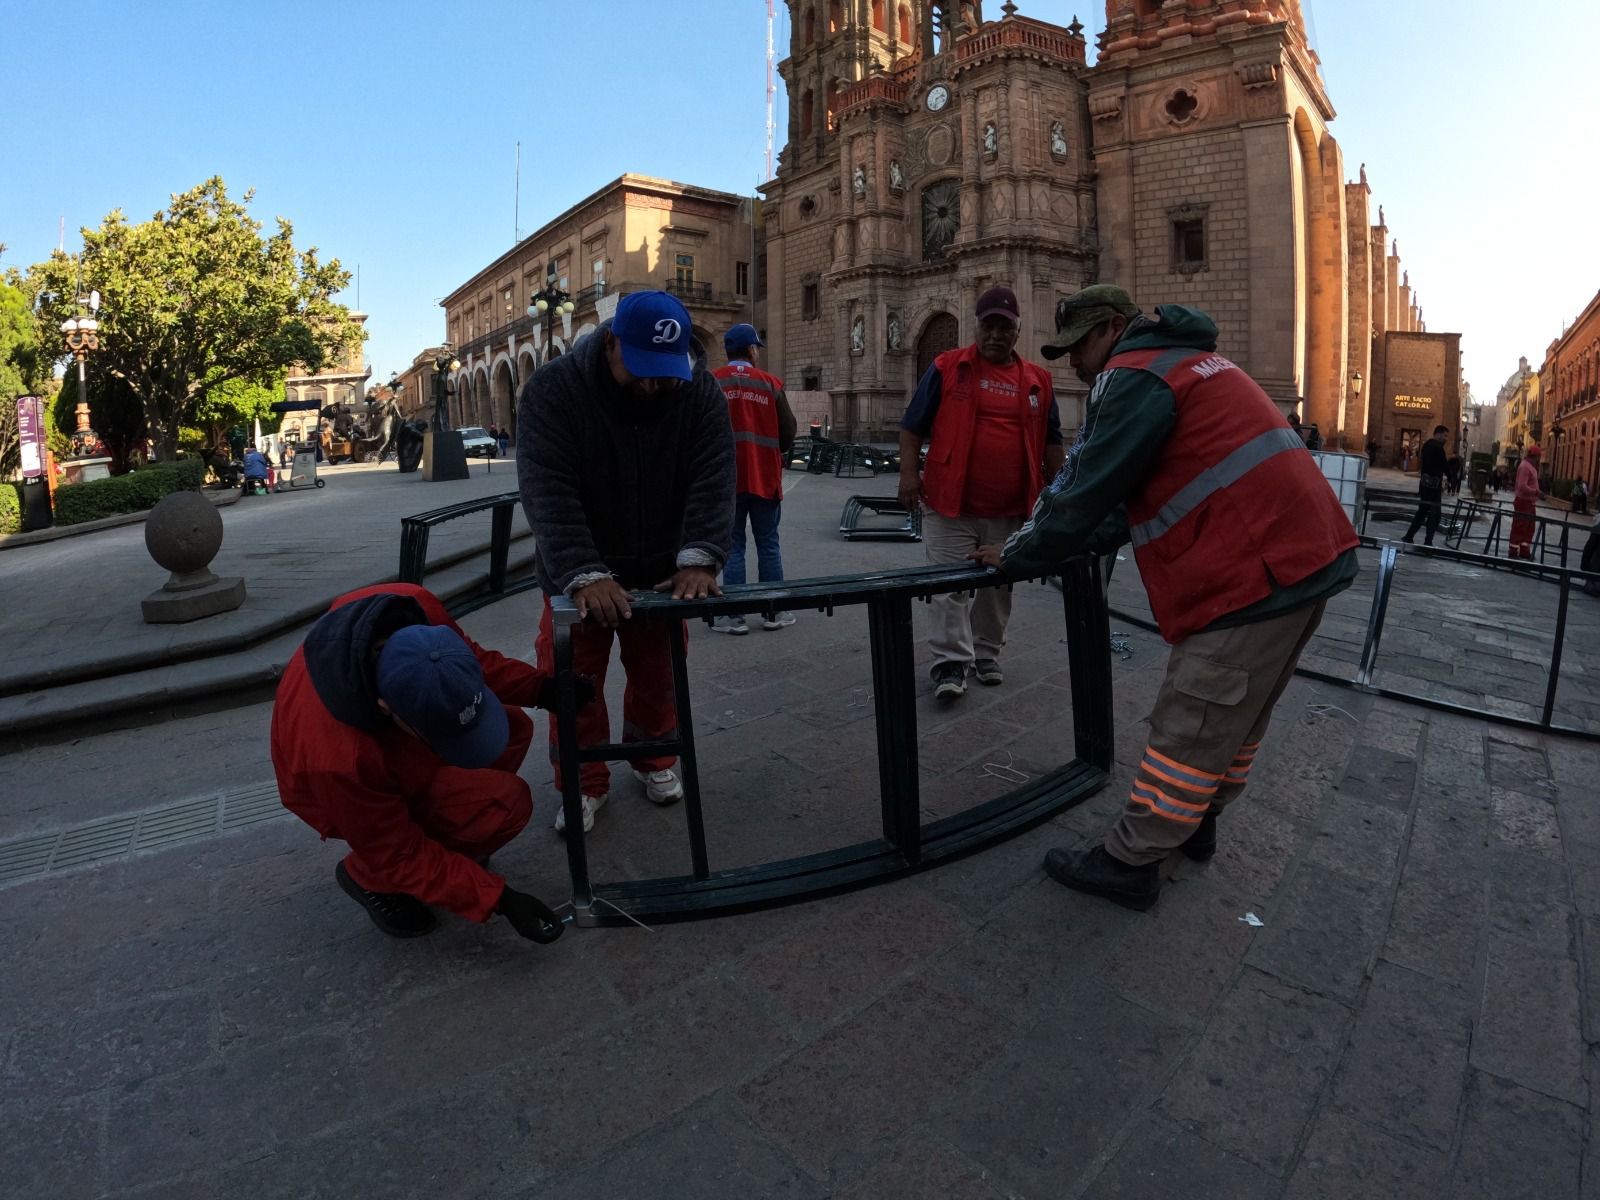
{"x":391,"y":732}
{"x":1240,"y":542}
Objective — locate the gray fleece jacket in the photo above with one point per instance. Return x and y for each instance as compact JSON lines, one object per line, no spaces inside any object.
{"x":620,"y":484}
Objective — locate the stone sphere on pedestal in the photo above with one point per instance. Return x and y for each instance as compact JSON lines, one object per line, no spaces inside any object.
{"x":183,"y":534}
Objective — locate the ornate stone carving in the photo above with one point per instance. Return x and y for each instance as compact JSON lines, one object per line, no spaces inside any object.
{"x":897,"y":178}
{"x":991,"y":140}
{"x":897,"y":334}
{"x":1107,"y":106}
{"x":940,"y":146}
{"x":1058,"y":140}
{"x":1258,"y":74}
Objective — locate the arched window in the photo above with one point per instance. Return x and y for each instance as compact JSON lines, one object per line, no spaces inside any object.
{"x":809,"y":24}
{"x":941,"y":217}
{"x":835,"y":16}
{"x":832,"y":100}
{"x":877,"y":16}
{"x":807,"y":107}
{"x":904,"y":23}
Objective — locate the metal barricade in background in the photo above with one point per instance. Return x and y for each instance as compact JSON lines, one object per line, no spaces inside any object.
{"x":907,"y":844}
{"x":414,"y":531}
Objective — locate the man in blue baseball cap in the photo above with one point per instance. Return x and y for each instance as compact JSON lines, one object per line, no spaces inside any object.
{"x":763,"y":434}
{"x":391,"y":732}
{"x":626,"y":467}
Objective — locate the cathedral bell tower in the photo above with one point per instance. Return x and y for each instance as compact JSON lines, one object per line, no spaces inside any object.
{"x":1220,"y":186}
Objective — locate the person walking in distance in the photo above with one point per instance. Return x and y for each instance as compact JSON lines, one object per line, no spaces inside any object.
{"x":994,"y":437}
{"x":1430,"y":486}
{"x":1524,"y":500}
{"x":763,"y":435}
{"x":625,"y":464}
{"x":1240,"y":543}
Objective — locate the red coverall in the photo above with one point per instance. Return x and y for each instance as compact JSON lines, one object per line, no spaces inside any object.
{"x":413,"y":823}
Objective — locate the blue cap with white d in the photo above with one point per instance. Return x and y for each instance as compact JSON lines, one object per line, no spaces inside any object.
{"x":740,"y":338}
{"x":653,"y":330}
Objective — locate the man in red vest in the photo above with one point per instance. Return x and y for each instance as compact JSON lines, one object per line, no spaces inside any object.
{"x":1240,"y":542}
{"x":763,"y":434}
{"x":996,"y":437}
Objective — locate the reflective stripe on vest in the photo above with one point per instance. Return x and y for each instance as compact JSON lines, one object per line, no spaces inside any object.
{"x":740,"y":435}
{"x":1226,"y":473}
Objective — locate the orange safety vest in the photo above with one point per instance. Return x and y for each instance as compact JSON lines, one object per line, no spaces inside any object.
{"x":1234,"y":504}
{"x":753,"y":410}
{"x":944,"y":478}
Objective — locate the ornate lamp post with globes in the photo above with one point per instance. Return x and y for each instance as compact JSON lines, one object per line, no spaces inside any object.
{"x":548,"y":301}
{"x":82,"y":335}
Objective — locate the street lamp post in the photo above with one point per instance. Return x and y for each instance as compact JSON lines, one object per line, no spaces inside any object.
{"x":549,"y":301}
{"x":1355,"y":391}
{"x":82,"y":335}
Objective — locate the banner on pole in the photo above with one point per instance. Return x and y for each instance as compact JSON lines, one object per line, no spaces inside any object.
{"x":30,"y":430}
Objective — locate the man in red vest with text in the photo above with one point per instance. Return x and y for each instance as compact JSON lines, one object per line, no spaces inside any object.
{"x":1240,"y":542}
{"x":763,"y":434}
{"x":996,"y":437}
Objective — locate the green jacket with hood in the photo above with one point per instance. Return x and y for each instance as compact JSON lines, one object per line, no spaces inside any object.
{"x":1129,"y":415}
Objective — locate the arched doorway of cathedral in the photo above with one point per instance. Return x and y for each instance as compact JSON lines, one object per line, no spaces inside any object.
{"x":504,"y":398}
{"x":941,"y":333}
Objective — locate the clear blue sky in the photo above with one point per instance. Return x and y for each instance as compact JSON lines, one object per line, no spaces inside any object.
{"x":386,"y":132}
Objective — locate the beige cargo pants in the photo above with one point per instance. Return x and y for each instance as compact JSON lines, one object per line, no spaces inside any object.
{"x":963,"y":628}
{"x":1207,"y":724}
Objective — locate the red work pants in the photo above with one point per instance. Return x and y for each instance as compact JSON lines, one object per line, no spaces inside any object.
{"x":471,"y":812}
{"x":1522,"y":529}
{"x":648,"y":711}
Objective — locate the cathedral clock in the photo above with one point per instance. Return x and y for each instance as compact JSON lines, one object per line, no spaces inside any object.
{"x":938,"y":97}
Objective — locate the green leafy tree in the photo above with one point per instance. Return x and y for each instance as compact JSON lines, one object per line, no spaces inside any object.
{"x":195,"y":299}
{"x":24,"y":367}
{"x":239,"y":402}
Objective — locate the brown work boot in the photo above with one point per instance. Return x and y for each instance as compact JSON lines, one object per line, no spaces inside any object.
{"x":1094,"y":871}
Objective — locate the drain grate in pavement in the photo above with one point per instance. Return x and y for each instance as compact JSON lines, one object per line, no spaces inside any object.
{"x":153,"y":829}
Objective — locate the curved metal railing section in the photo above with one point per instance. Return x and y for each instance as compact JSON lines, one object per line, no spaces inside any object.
{"x":907,"y":844}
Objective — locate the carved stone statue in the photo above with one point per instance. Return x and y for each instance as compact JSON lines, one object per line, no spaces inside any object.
{"x":897,"y":179}
{"x":1058,"y":139}
{"x":858,"y":180}
{"x":858,"y":335}
{"x":896,"y":333}
{"x":991,"y":139}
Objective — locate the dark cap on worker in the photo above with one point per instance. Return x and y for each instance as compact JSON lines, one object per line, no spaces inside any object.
{"x":433,"y":682}
{"x":999,"y":302}
{"x":1079,"y":314}
{"x":740,"y":338}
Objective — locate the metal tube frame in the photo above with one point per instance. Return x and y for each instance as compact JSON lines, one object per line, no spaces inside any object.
{"x":908,"y":844}
{"x":1366,"y":679}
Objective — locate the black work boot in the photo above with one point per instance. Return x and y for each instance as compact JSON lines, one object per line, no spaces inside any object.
{"x":1202,"y":843}
{"x":396,"y":913}
{"x":1096,"y":872}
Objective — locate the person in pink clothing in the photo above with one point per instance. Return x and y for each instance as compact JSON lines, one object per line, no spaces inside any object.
{"x":1523,"y":500}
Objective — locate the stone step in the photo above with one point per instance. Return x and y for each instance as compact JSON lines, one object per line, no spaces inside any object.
{"x":151,"y":692}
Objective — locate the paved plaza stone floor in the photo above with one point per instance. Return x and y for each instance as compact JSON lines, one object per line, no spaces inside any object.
{"x":1414,"y":1016}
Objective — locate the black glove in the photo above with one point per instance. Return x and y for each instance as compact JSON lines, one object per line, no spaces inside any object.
{"x":549,"y":691}
{"x":529,"y":916}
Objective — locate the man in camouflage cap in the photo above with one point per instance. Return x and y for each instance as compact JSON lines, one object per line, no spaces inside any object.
{"x":1240,"y":543}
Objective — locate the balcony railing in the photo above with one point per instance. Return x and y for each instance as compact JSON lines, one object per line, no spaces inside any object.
{"x":1020,"y":33}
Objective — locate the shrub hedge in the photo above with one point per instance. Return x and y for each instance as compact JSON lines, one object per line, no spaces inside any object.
{"x":10,"y":507}
{"x":133,"y":492}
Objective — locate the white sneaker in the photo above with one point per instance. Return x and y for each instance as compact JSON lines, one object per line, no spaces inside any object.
{"x":662,"y":787}
{"x":591,"y":805}
{"x":729,"y":625}
{"x":777,"y":620}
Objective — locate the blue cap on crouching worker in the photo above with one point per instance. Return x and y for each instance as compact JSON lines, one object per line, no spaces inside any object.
{"x":431,"y":680}
{"x":654,"y":332}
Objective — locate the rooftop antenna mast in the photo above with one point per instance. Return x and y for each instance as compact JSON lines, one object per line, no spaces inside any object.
{"x":771,"y":91}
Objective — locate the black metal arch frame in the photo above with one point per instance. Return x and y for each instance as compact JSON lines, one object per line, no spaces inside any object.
{"x":907,"y":845}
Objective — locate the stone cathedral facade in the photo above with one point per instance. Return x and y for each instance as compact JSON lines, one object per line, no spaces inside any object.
{"x":933,"y":153}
